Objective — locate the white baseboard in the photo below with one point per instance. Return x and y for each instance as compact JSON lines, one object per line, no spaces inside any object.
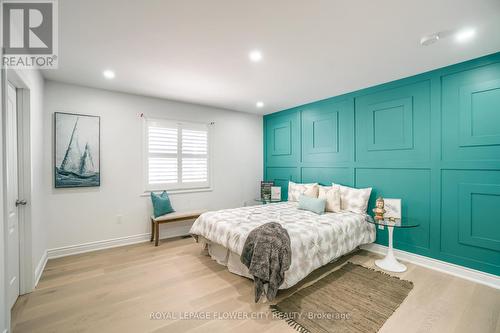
{"x":98,"y":245}
{"x":40,"y":267}
{"x":470,"y":274}
{"x":115,"y":242}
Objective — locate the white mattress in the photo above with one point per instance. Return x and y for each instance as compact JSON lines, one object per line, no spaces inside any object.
{"x":315,"y":239}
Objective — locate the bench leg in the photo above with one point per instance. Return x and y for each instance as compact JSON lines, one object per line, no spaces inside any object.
{"x":157,"y":233}
{"x":152,"y":230}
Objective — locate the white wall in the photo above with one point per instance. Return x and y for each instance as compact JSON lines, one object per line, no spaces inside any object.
{"x":83,"y":215}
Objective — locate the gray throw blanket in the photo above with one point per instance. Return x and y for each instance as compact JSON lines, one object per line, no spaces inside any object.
{"x":267,"y":254}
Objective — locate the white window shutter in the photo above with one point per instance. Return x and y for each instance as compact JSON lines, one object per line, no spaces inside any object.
{"x":194,"y":170}
{"x":162,"y":170}
{"x":177,"y":155}
{"x":194,"y":156}
{"x":162,"y":140}
{"x":194,"y":142}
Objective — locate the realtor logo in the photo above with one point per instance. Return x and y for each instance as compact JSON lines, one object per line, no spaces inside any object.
{"x":29,"y":34}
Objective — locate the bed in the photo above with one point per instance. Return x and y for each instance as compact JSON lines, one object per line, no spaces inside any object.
{"x":315,"y":239}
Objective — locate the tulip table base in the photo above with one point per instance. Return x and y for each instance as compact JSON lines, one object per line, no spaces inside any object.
{"x":390,"y":263}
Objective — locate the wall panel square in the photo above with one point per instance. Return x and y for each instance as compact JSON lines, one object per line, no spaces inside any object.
{"x":480,"y":114}
{"x":394,"y":124}
{"x":476,"y":226}
{"x":471,"y":114}
{"x":470,"y":227}
{"x":282,"y":139}
{"x":398,"y":116}
{"x":327,"y":132}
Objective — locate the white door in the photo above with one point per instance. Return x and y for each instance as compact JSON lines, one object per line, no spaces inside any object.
{"x":11,"y":196}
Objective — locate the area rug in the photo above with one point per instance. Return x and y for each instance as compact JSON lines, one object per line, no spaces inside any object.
{"x":351,"y":299}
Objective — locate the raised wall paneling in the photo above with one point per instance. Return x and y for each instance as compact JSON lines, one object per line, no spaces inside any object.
{"x":282,"y":139}
{"x":413,"y":187}
{"x":281,"y":177}
{"x":432,"y":140}
{"x":476,"y":228}
{"x":480,"y":114}
{"x":390,"y":125}
{"x":326,"y":176}
{"x":321,"y":133}
{"x":471,"y":114}
{"x":470,"y":228}
{"x":394,"y":124}
{"x":327,"y":132}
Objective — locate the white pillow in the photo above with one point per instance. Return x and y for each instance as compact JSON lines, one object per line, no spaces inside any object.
{"x":295,"y":190}
{"x":332,"y":196}
{"x":353,"y":199}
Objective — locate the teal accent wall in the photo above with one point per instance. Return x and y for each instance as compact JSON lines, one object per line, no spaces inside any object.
{"x":432,"y":140}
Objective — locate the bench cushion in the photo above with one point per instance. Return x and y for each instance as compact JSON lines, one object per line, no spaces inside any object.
{"x":178,"y":215}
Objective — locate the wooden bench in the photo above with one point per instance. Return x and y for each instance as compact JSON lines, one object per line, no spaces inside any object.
{"x":172,"y":217}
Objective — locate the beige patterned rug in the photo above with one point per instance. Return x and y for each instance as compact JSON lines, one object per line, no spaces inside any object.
{"x":351,"y":299}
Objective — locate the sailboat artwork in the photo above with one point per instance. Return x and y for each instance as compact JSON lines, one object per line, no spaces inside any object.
{"x":76,"y":150}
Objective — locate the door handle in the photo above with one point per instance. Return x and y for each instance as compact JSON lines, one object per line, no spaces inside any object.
{"x":21,"y":202}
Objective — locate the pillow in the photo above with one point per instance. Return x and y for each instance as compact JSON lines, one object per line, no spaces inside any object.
{"x":312,"y":204}
{"x":332,"y":196}
{"x":295,"y":190}
{"x":353,"y":199}
{"x":161,"y":204}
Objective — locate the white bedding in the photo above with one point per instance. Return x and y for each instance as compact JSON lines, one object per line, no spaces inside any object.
{"x":315,"y":239}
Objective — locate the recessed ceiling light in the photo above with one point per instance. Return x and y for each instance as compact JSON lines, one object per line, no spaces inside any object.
{"x":255,"y":56}
{"x":465,"y":35}
{"x":259,"y":104}
{"x":109,"y":74}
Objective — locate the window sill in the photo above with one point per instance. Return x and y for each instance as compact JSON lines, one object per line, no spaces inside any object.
{"x":182,"y":191}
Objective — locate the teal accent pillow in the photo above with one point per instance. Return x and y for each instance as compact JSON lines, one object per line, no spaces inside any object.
{"x":161,"y":204}
{"x":312,"y":204}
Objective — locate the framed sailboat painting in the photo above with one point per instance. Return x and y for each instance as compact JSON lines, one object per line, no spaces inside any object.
{"x":77,"y":150}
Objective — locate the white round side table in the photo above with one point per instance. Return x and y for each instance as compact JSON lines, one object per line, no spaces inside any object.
{"x":390,"y":263}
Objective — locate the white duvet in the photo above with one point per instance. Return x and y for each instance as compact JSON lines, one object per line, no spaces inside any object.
{"x":315,"y":239}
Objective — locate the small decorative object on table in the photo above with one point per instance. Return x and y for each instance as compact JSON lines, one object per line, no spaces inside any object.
{"x":275,"y":193}
{"x":265,"y":190}
{"x":392,"y":208}
{"x":379,"y":209}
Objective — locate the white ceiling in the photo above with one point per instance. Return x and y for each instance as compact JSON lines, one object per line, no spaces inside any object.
{"x":197,"y":51}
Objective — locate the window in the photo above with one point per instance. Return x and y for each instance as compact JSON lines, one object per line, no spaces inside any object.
{"x":177,"y":155}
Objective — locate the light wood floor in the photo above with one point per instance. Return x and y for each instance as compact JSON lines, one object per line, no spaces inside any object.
{"x":116,"y":290}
